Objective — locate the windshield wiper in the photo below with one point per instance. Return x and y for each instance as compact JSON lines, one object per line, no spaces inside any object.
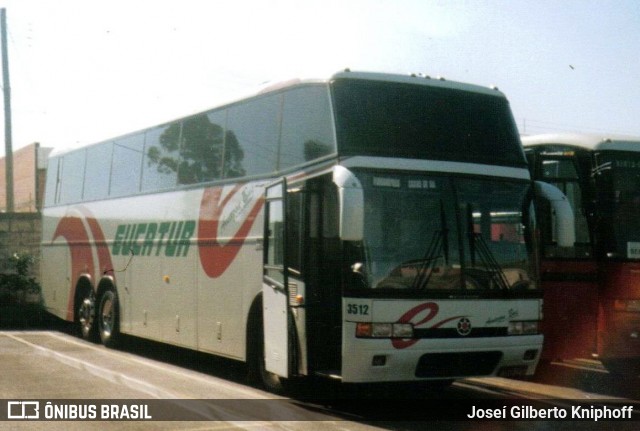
{"x":439,"y":244}
{"x":478,"y":246}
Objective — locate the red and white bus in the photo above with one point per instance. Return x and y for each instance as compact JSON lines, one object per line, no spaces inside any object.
{"x":365,"y":227}
{"x":591,"y":287}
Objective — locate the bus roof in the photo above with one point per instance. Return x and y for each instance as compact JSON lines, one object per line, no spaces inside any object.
{"x":586,"y":141}
{"x":420,"y":79}
{"x":414,"y":79}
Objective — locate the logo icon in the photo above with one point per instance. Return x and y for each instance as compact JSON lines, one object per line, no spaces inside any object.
{"x":23,"y":410}
{"x":464,"y":326}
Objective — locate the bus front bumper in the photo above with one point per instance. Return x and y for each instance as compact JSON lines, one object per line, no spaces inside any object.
{"x":373,"y":360}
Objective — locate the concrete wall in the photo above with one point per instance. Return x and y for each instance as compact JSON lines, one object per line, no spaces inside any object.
{"x":29,"y":171}
{"x":20,"y":233}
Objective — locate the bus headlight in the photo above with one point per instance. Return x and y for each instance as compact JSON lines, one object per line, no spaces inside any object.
{"x":525,"y":327}
{"x":402,"y":330}
{"x":384,"y":330}
{"x":626,"y":305}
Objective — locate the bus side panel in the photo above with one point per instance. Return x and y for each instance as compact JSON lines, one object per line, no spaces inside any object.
{"x":178,"y":304}
{"x":570,"y":315}
{"x":230,"y":230}
{"x":570,"y":309}
{"x":154,"y":269}
{"x":618,"y":328}
{"x":223,"y":302}
{"x":67,"y":242}
{"x":55,"y":264}
{"x":143,"y":314}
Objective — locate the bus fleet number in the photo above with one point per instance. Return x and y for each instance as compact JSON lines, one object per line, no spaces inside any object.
{"x":358,"y":309}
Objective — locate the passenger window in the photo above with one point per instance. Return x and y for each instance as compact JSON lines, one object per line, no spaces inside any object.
{"x":127,"y":165}
{"x":252,"y":140}
{"x":72,"y":177}
{"x":307,"y":126}
{"x":96,"y":180}
{"x":563,"y":174}
{"x":160,"y":167}
{"x":202,"y":148}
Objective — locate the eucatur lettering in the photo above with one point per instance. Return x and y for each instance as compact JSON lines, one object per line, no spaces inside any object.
{"x":144,"y":239}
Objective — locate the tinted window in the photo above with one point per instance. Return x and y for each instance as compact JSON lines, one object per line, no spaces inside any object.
{"x":252,"y":140}
{"x":202,"y":148}
{"x":617,"y":181}
{"x":96,"y":180}
{"x":127,"y":165}
{"x":160,"y":165}
{"x":418,"y":121}
{"x":307,"y":126}
{"x":72,"y":176}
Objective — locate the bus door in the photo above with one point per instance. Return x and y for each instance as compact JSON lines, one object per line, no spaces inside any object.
{"x":275,"y":295}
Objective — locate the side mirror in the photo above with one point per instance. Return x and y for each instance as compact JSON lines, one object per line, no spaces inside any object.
{"x":561,"y":211}
{"x":351,"y":204}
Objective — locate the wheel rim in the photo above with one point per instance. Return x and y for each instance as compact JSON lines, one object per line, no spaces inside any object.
{"x":107,"y":316}
{"x":85,"y":315}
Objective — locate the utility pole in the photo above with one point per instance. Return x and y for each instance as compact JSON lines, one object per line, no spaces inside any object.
{"x":8,"y":158}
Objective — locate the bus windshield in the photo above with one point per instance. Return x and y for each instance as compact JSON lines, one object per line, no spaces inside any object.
{"x":436,"y":233}
{"x":415,"y":121}
{"x":617,"y":180}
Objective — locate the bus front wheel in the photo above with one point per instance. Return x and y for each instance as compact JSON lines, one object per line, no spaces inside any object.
{"x":108,"y":317}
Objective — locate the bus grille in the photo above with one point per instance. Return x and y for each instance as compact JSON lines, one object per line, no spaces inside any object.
{"x":457,"y":364}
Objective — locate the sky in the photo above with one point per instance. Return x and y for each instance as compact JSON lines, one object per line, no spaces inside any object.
{"x":82,"y":71}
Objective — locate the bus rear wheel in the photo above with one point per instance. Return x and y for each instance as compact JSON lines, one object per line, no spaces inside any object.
{"x":85,"y":318}
{"x":109,"y":318}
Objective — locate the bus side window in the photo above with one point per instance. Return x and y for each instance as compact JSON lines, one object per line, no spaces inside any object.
{"x":126,"y":167}
{"x":306,"y":126}
{"x":330,"y":212}
{"x":202,"y":148}
{"x":96,"y":178}
{"x":255,"y":127}
{"x":73,"y":166}
{"x":160,"y":158}
{"x":295,"y":226}
{"x":562,"y":172}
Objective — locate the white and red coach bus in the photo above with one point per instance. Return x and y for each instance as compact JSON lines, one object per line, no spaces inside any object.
{"x":365,"y":227}
{"x":591,"y":287}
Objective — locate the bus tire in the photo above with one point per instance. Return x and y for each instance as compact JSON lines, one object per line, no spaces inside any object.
{"x":85,"y":306}
{"x":108,"y":317}
{"x":270,"y":381}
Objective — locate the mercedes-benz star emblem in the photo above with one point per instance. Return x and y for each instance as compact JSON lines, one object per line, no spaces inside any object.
{"x":464,"y":326}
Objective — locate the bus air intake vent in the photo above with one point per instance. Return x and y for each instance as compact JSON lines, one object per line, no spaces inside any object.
{"x":458,"y":364}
